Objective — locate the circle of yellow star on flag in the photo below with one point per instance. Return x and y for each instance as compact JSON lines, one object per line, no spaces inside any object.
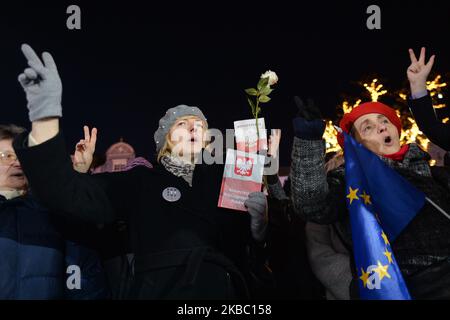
{"x":366,"y":198}
{"x":385,"y":238}
{"x":382,"y":271}
{"x":388,"y":254}
{"x":353,"y":194}
{"x":364,"y":277}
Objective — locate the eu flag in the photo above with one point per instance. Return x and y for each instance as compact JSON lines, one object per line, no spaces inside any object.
{"x":381,"y":204}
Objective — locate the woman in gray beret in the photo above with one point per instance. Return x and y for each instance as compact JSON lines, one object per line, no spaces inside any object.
{"x":185,"y":246}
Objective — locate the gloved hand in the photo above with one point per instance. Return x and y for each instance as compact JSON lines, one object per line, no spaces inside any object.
{"x":256,"y":205}
{"x":42,"y":85}
{"x":308,"y":124}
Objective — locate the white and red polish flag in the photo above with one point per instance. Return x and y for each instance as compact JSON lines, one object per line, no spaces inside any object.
{"x":247,"y":137}
{"x":242,"y":175}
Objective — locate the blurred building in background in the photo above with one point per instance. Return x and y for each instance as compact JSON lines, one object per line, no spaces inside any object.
{"x":117,"y":157}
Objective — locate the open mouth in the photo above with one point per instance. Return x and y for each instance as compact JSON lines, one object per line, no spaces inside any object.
{"x":388,"y":141}
{"x":18,"y":175}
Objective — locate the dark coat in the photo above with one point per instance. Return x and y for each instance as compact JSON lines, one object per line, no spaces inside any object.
{"x":36,"y":251}
{"x":425,"y":115}
{"x":287,"y":255}
{"x":185,"y":249}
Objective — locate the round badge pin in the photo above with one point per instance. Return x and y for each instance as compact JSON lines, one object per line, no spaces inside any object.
{"x":171,"y":194}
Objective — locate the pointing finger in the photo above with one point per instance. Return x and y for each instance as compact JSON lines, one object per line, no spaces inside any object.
{"x":31,"y":56}
{"x":412,"y":56}
{"x":49,"y":61}
{"x":431,"y":61}
{"x":94,"y":137}
{"x":86,"y":133}
{"x":422,"y":56}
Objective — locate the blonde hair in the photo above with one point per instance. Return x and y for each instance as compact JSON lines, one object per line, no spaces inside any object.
{"x":168,"y":146}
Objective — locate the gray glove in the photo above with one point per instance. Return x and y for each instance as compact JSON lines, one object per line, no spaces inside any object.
{"x":42,"y":85}
{"x":256,"y":205}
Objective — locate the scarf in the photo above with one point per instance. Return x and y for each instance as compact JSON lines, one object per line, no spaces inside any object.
{"x":414,"y":159}
{"x":179,"y":168}
{"x":399,"y":155}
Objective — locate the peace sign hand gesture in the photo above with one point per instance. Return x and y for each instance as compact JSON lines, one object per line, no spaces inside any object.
{"x":84,"y":151}
{"x":418,"y":71}
{"x":42,"y":85}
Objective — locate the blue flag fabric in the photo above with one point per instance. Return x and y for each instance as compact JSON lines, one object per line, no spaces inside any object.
{"x":395,"y":199}
{"x":378,"y":199}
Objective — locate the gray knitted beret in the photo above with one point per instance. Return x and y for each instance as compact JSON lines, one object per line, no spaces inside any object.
{"x":171,"y":116}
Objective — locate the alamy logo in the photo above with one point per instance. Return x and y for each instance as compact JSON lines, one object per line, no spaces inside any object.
{"x":74,"y":20}
{"x":74,"y":278}
{"x":374,"y":21}
{"x":373,"y":281}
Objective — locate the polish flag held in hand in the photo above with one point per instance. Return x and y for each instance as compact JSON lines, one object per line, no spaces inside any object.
{"x":242,"y":175}
{"x":246,"y":134}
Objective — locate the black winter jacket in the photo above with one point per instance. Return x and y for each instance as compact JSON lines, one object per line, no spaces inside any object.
{"x":38,"y":252}
{"x":186,"y":249}
{"x":423,"y":111}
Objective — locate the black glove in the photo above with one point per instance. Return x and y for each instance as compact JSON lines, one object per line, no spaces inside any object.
{"x":309,"y":111}
{"x":308,"y":124}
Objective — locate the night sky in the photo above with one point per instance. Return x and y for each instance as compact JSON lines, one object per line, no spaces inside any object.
{"x":133,"y":60}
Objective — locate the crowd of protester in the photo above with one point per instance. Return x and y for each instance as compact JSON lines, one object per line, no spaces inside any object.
{"x":156,"y":232}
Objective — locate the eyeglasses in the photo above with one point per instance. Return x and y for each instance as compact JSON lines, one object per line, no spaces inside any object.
{"x":7,"y":158}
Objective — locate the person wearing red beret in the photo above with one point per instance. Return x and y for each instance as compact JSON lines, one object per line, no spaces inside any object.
{"x":422,"y":250}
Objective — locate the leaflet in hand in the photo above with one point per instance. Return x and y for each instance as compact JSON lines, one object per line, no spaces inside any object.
{"x":242,"y":175}
{"x":246,"y":135}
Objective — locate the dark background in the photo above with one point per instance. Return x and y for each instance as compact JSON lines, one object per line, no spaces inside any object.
{"x":133,"y":60}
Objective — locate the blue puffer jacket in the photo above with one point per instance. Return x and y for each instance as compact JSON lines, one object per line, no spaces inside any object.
{"x":37,"y":260}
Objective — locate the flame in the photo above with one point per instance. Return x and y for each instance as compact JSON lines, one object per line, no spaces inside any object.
{"x":403,"y":96}
{"x":347,"y":108}
{"x":434,"y":86}
{"x":410,"y":133}
{"x":330,"y":136}
{"x":439,"y":106}
{"x":375,"y":90}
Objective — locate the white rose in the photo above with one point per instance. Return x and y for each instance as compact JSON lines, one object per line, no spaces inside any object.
{"x":273,"y":78}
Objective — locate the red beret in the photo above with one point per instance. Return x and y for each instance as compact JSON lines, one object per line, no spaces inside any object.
{"x":366,"y":108}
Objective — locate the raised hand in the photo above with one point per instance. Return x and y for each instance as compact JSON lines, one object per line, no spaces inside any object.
{"x":42,"y":85}
{"x":272,"y":164}
{"x":274,"y":143}
{"x":307,"y":111}
{"x":308,"y":125}
{"x":418,"y":71}
{"x":84,"y":151}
